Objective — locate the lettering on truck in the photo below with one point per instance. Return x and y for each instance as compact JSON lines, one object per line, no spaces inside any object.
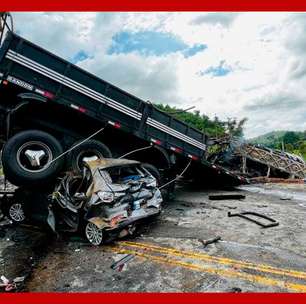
{"x":20,"y":83}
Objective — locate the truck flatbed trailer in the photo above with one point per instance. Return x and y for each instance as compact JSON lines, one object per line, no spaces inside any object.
{"x":41,"y":91}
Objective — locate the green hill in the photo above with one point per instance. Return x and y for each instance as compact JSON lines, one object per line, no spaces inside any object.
{"x":268,"y":139}
{"x":293,"y":141}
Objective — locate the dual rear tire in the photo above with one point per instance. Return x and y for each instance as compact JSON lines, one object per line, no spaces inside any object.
{"x":31,"y":158}
{"x":89,"y":150}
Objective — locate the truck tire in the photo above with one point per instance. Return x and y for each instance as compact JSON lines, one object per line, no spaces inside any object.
{"x":27,"y":155}
{"x":89,"y":149}
{"x":154,"y":171}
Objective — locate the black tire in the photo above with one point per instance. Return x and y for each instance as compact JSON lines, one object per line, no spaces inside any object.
{"x":17,"y":167}
{"x":90,"y":147}
{"x":154,"y":171}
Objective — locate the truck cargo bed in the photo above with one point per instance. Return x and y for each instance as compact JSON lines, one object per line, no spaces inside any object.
{"x":36,"y":70}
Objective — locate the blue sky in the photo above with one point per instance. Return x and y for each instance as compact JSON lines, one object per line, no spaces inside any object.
{"x":217,"y":71}
{"x":79,"y":56}
{"x":151,"y":43}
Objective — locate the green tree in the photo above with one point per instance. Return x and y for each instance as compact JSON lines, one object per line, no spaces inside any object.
{"x":302,"y":148}
{"x":292,"y":138}
{"x":289,"y":148}
{"x":212,"y":127}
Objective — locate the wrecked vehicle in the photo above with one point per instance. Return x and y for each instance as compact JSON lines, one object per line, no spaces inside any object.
{"x":112,"y":194}
{"x":49,"y":106}
{"x":109,"y":198}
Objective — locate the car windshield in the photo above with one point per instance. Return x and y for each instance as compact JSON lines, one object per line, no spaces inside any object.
{"x":123,"y":174}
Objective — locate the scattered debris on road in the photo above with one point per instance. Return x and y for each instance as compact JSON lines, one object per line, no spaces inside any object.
{"x":6,"y":284}
{"x":247,"y":257}
{"x":286,"y":198}
{"x":118,"y":265}
{"x":210,"y":241}
{"x":244,"y":215}
{"x":235,"y":290}
{"x":14,"y":285}
{"x":220,"y":197}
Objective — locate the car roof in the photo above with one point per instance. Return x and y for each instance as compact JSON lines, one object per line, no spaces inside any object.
{"x":110,"y":163}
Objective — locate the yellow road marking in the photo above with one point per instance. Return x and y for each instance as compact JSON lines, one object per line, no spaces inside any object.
{"x":219,"y":260}
{"x":221,"y":272}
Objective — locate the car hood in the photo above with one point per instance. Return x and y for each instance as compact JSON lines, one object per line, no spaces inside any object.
{"x":109,"y":163}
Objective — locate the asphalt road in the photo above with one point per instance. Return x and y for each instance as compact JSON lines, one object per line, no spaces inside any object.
{"x":166,"y":254}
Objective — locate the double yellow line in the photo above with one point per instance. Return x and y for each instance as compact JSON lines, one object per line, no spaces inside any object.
{"x":145,"y":250}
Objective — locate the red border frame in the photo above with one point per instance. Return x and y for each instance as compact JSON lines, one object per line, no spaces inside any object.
{"x":152,"y":298}
{"x":153,"y":5}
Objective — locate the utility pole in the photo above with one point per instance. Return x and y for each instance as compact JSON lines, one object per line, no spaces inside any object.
{"x":6,"y":24}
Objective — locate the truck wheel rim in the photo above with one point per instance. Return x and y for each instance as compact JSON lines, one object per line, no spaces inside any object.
{"x":34,"y":156}
{"x":94,"y":234}
{"x":16,"y":213}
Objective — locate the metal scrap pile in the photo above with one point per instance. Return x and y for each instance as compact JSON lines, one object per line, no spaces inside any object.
{"x":109,"y":198}
{"x":255,"y":161}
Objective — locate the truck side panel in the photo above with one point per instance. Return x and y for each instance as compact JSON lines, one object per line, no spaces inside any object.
{"x":73,"y":86}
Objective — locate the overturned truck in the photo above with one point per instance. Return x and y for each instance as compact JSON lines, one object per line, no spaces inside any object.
{"x":50,"y":111}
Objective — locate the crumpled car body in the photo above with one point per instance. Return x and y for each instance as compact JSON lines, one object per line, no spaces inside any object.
{"x":111,"y":195}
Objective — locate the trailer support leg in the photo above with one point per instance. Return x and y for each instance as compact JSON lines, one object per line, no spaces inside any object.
{"x":243,"y":164}
{"x":268,"y":172}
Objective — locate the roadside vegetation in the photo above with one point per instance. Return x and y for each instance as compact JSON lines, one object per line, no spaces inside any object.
{"x":212,"y":127}
{"x":290,"y":141}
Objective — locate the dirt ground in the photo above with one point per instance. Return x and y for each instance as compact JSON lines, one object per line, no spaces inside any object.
{"x":167,"y":255}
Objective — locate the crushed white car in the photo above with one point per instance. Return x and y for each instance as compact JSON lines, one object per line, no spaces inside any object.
{"x":112,"y":194}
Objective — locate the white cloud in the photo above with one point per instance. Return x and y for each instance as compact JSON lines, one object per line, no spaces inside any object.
{"x":150,"y":78}
{"x":64,"y":34}
{"x":264,"y":51}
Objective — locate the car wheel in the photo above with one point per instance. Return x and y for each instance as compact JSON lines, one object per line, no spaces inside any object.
{"x":27,"y":156}
{"x":16,"y":213}
{"x":89,"y":150}
{"x":14,"y":210}
{"x":94,"y":234}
